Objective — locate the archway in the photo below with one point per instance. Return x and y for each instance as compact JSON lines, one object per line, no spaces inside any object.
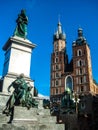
{"x":69,"y":82}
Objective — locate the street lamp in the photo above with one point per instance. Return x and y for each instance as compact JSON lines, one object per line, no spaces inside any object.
{"x":76,"y":100}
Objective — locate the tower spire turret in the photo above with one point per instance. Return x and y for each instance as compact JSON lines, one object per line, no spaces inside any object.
{"x":59,"y":34}
{"x":59,"y":28}
{"x":81,"y":39}
{"x":80,"y":32}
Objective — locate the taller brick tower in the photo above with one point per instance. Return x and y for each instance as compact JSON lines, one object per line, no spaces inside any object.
{"x":59,"y":60}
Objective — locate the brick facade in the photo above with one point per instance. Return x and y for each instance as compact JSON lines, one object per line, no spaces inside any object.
{"x":76,"y":74}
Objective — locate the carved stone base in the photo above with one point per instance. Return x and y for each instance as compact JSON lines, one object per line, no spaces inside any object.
{"x":24,"y":116}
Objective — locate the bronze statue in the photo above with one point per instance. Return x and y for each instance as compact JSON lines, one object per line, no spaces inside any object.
{"x":21,"y":95}
{"x":67,"y":103}
{"x":21,"y":28}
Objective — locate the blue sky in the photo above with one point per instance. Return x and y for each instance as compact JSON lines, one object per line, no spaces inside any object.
{"x":43,"y":19}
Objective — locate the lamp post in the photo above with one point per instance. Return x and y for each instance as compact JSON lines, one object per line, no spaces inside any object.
{"x":76,"y":101}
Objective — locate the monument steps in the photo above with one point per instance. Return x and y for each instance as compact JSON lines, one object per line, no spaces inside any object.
{"x":33,"y":127}
{"x":33,"y":119}
{"x":3,"y":118}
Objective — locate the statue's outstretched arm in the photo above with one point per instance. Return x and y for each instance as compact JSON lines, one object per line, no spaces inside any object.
{"x":9,"y":87}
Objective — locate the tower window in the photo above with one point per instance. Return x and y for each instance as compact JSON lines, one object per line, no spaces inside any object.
{"x":57,"y":75}
{"x":56,"y":53}
{"x":57,"y":67}
{"x":79,"y":52}
{"x":80,"y":71}
{"x":81,"y":80}
{"x":57,"y":82}
{"x":79,"y":63}
{"x":82,"y":88}
{"x":56,"y":90}
{"x":56,"y":60}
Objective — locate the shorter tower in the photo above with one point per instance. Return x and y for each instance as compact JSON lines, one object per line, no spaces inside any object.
{"x":82,"y":68}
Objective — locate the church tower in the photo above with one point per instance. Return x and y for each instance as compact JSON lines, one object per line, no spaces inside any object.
{"x":82,"y":69}
{"x":59,"y":61}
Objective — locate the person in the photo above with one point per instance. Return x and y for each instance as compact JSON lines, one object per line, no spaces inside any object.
{"x":21,"y":28}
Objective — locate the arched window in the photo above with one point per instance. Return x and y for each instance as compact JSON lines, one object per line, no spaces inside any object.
{"x":56,"y":90}
{"x":68,"y":82}
{"x":79,"y":63}
{"x":82,"y":88}
{"x":56,"y":83}
{"x":79,"y":52}
{"x":80,"y":71}
{"x":56,"y":60}
{"x":57,"y":67}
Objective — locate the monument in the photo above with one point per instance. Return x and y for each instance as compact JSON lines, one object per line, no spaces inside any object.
{"x":18,"y":50}
{"x":19,"y":109}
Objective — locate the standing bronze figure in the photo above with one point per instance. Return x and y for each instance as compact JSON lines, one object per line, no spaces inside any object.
{"x":21,"y":28}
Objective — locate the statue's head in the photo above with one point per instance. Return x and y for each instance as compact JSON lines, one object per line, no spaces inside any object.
{"x":21,"y":75}
{"x":68,"y":90}
{"x":23,"y":12}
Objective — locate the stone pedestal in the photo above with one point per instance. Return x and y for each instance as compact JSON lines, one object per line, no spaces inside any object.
{"x":3,"y":100}
{"x":17,"y":60}
{"x":35,"y":119}
{"x":24,"y":116}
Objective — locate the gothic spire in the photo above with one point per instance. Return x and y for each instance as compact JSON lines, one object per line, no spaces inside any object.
{"x":59,"y":28}
{"x":59,"y":34}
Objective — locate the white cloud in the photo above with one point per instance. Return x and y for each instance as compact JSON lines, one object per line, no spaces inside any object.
{"x":43,"y":96}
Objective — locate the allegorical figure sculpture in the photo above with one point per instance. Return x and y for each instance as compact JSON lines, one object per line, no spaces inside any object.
{"x":21,"y":28}
{"x":21,"y":95}
{"x":67,"y":103}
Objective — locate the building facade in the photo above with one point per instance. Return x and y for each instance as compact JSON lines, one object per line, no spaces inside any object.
{"x":76,"y":74}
